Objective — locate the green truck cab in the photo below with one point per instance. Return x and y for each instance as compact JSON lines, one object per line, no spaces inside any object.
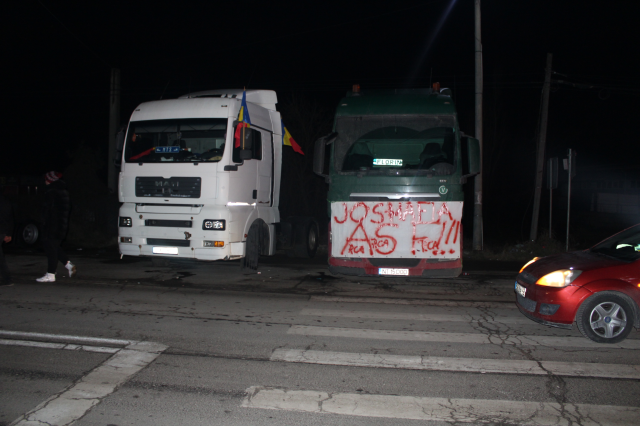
{"x":396,"y":163}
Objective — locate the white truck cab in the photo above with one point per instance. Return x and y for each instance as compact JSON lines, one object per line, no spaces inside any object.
{"x":190,"y":189}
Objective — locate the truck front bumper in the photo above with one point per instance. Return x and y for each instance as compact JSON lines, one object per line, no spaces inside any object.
{"x":431,"y":268}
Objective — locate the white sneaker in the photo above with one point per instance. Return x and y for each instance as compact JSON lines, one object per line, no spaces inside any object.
{"x":47,"y":278}
{"x":72,"y":269}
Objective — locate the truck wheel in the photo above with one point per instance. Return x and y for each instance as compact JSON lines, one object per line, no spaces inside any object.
{"x":249,"y":262}
{"x":28,"y":234}
{"x":306,"y":240}
{"x":605,"y":317}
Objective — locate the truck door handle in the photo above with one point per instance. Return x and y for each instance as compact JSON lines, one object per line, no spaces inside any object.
{"x":255,"y":194}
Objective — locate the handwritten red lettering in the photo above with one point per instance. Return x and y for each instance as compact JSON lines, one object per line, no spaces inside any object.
{"x":345,"y":215}
{"x":378,"y":213}
{"x":387,"y":239}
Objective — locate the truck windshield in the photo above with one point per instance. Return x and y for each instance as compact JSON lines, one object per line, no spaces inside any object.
{"x":400,"y":144}
{"x":182,"y":140}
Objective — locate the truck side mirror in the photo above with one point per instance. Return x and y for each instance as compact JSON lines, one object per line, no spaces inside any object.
{"x":247,"y":135}
{"x":319,"y":154}
{"x":471,"y":157}
{"x":246,"y":154}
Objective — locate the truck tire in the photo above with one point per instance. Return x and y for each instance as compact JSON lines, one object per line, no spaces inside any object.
{"x":249,"y":263}
{"x":306,"y":239}
{"x":28,"y":234}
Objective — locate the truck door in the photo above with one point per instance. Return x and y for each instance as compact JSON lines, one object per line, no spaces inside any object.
{"x":242,"y":182}
{"x":265,"y":170}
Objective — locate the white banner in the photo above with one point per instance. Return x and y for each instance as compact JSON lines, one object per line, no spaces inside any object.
{"x":409,"y":229}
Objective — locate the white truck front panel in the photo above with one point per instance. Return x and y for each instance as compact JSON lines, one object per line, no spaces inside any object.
{"x":411,"y":229}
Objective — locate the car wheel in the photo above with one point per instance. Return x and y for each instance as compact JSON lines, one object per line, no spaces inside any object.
{"x":605,"y":317}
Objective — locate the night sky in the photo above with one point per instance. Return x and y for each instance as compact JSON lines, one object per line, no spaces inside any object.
{"x":57,"y":59}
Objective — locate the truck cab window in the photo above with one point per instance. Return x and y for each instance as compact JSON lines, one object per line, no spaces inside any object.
{"x":407,"y":144}
{"x":255,"y":145}
{"x":178,"y":140}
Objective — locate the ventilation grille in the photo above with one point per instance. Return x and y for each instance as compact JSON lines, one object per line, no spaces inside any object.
{"x":174,"y":187}
{"x":168,"y":243}
{"x":169,"y":223}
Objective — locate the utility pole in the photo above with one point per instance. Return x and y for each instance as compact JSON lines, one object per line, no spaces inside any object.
{"x":542,"y":140}
{"x":114,"y":125}
{"x":571,"y":165}
{"x":477,"y":196}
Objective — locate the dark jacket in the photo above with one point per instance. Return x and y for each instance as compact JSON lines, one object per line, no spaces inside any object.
{"x":55,"y":212}
{"x":6,"y":217}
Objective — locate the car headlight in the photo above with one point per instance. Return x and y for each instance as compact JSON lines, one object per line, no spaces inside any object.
{"x":559,"y":278}
{"x":528,"y":263}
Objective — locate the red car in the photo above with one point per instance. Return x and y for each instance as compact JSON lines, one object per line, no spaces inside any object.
{"x":598,"y":288}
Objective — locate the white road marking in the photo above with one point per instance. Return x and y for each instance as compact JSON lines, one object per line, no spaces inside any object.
{"x":65,"y":338}
{"x":467,"y":365}
{"x":412,"y":317}
{"x":472,"y":338}
{"x":440,"y":409}
{"x":421,"y":302}
{"x":73,"y":402}
{"x":63,"y":346}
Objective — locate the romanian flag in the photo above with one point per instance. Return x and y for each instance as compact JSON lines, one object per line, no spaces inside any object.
{"x":288,"y":140}
{"x":243,"y":118}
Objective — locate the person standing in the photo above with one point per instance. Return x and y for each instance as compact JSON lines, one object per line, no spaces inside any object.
{"x":55,"y":221}
{"x":6,"y":230}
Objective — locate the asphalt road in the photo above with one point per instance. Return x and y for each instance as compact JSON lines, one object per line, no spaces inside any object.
{"x":193,"y":343}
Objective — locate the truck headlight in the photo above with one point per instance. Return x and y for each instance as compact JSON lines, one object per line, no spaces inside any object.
{"x":125,"y":222}
{"x":214,"y":225}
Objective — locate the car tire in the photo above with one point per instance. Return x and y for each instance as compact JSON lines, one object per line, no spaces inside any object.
{"x":606,"y":317}
{"x":249,"y":263}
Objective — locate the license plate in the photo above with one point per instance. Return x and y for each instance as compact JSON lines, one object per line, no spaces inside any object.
{"x":393,"y":271}
{"x":521,"y":290}
{"x":164,"y":250}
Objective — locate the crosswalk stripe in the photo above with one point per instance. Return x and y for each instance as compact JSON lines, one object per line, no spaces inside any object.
{"x":71,"y":404}
{"x":63,"y":346}
{"x":440,"y":409}
{"x":420,"y":302}
{"x":473,"y":338}
{"x":413,"y":317}
{"x":467,"y":365}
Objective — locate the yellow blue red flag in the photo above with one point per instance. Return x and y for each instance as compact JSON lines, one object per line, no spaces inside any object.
{"x":243,"y":118}
{"x":288,"y":140}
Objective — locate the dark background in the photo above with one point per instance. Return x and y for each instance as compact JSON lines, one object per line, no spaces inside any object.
{"x":57,"y":58}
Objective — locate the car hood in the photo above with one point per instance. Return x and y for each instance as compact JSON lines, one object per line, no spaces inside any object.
{"x":582,"y":260}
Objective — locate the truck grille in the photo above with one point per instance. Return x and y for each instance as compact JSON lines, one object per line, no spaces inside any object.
{"x":174,"y":187}
{"x":385,"y":261}
{"x":169,"y":223}
{"x":167,"y":242}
